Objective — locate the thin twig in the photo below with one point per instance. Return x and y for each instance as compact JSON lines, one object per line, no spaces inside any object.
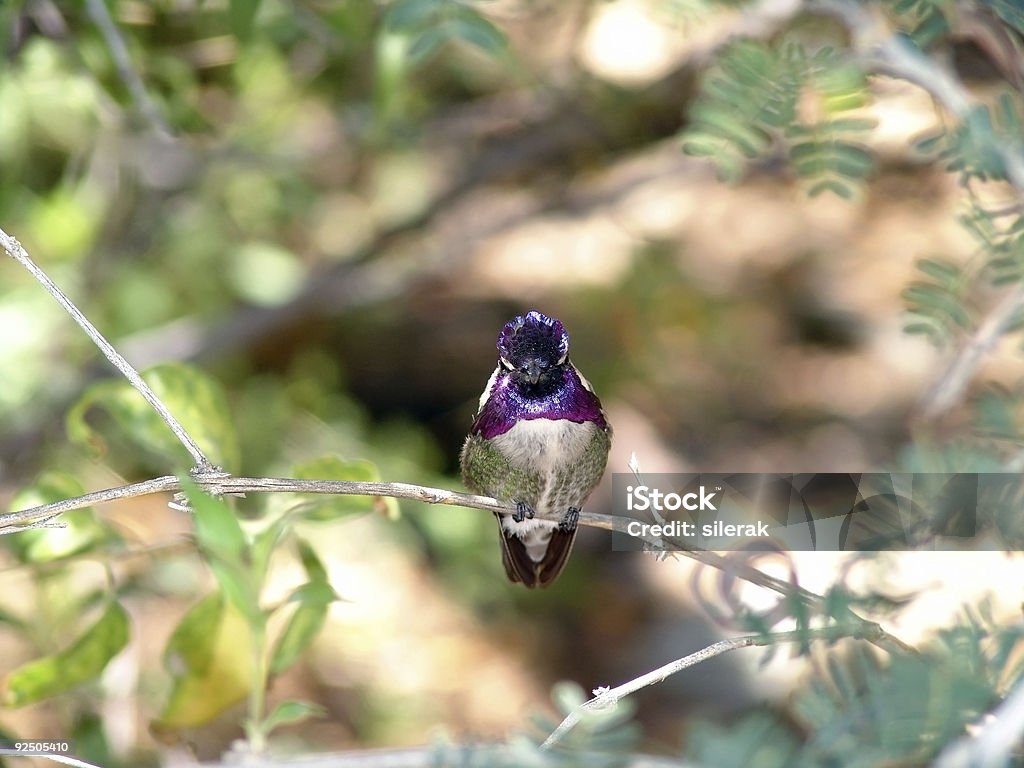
{"x":64,"y":759}
{"x":17,"y":252}
{"x":605,"y":698}
{"x":100,"y":15}
{"x":228,"y":484}
{"x":225,"y":484}
{"x":433,"y":756}
{"x":948,"y":388}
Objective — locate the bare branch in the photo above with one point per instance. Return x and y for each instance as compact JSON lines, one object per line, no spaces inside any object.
{"x":15,"y":250}
{"x":606,"y":698}
{"x":63,"y":759}
{"x":100,"y":15}
{"x":948,"y":388}
{"x":430,"y":757}
{"x":225,"y":484}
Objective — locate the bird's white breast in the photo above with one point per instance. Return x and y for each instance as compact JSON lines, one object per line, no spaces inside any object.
{"x":545,"y":444}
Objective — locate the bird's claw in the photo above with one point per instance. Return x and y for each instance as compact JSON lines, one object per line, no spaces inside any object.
{"x":569,"y":520}
{"x":523,"y":511}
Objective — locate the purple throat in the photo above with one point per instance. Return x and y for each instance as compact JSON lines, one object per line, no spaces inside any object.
{"x":506,"y":405}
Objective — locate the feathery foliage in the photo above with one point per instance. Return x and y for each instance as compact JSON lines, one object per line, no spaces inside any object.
{"x":763,"y":98}
{"x":923,"y":21}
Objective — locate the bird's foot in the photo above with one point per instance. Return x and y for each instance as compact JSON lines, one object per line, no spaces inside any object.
{"x":523,"y":511}
{"x":569,"y":520}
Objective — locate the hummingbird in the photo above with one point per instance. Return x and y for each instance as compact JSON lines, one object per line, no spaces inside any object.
{"x":540,"y":440}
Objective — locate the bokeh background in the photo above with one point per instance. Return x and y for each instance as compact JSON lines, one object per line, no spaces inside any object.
{"x":336,"y":230}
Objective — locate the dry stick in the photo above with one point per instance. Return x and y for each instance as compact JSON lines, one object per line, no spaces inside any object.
{"x":953,"y":381}
{"x":432,"y":757}
{"x":17,"y":252}
{"x":609,"y":697}
{"x":97,"y":10}
{"x":11,"y":522}
{"x":888,"y":54}
{"x":63,"y":759}
{"x":219,"y":484}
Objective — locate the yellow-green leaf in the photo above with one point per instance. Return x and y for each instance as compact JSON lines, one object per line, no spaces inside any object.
{"x":227,"y":551}
{"x":292,"y":711}
{"x":217,"y":528}
{"x":314,"y":598}
{"x":209,"y":657}
{"x":79,"y":663}
{"x":195,"y":399}
{"x":265,"y":542}
{"x":311,"y":562}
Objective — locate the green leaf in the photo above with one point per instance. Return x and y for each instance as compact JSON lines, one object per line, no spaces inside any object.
{"x":474,"y":29}
{"x":6,"y":736}
{"x":12,"y":620}
{"x":816,"y":158}
{"x":89,"y":735}
{"x":741,"y":106}
{"x":411,"y":14}
{"x":945,"y":272}
{"x":728,"y":167}
{"x":209,"y":657}
{"x":926,"y":298}
{"x":84,"y":531}
{"x":82,"y":661}
{"x":195,"y":399}
{"x":325,"y":507}
{"x":188,"y":647}
{"x":242,"y":15}
{"x":292,"y":711}
{"x":311,"y":562}
{"x":852,"y":124}
{"x":851,"y":161}
{"x":920,"y":328}
{"x":314,"y":599}
{"x":755,"y":740}
{"x":427,"y":42}
{"x":844,"y":191}
{"x":902,"y":713}
{"x":222,"y":540}
{"x":265,"y":542}
{"x":844,"y":85}
{"x":1009,"y":11}
{"x":994,"y":413}
{"x":727,"y":124}
{"x":217,"y":528}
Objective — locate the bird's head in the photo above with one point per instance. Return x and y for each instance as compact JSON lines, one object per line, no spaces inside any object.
{"x":534,"y":348}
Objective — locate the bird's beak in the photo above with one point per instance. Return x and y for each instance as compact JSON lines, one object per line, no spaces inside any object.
{"x":533,"y":372}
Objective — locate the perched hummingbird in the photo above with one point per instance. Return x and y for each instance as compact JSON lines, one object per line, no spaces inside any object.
{"x":540,"y":439}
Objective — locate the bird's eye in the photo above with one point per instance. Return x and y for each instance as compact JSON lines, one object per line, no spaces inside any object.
{"x":506,"y":364}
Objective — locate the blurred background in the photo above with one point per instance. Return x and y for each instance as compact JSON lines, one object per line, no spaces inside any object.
{"x":332,"y":212}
